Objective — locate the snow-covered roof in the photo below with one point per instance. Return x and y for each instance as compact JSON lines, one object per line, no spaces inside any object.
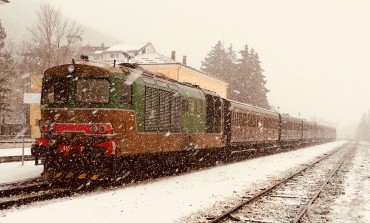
{"x":98,"y":52}
{"x":153,"y":58}
{"x":126,"y":46}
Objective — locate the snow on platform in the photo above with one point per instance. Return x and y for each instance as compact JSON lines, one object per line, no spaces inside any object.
{"x":15,"y":151}
{"x":170,"y":199}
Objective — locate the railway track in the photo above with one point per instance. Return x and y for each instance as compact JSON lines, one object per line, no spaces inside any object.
{"x":26,"y":192}
{"x":22,"y":193}
{"x":288,"y":199}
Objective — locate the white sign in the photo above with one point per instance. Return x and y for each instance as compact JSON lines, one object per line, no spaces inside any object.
{"x":31,"y":98}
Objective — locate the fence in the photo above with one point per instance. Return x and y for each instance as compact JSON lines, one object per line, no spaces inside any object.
{"x":15,"y":141}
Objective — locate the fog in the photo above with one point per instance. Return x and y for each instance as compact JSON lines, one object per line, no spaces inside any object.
{"x":314,"y":53}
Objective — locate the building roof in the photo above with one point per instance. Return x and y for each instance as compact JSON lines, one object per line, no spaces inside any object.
{"x":88,"y":50}
{"x":127,"y":47}
{"x":153,"y":58}
{"x":159,"y":59}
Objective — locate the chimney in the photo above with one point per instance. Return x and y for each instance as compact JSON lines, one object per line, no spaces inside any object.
{"x":173,"y":55}
{"x":102,"y":46}
{"x":184,"y":60}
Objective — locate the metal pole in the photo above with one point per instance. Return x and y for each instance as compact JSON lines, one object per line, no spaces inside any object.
{"x":23,"y":151}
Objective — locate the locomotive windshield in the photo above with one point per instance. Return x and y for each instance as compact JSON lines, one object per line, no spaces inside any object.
{"x":86,"y":91}
{"x":92,"y":91}
{"x":55,"y":91}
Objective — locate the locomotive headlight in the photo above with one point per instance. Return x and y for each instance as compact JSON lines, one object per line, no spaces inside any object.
{"x":71,"y":68}
{"x":102,"y":129}
{"x":43,"y":128}
{"x":94,"y":128}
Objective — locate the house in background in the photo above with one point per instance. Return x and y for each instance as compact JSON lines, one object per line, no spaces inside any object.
{"x":179,"y":71}
{"x":121,"y":52}
{"x":146,"y":56}
{"x":91,"y":50}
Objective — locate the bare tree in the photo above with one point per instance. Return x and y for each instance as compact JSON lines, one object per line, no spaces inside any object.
{"x":53,"y":37}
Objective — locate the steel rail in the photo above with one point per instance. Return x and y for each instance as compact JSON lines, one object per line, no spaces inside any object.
{"x":242,"y":204}
{"x":305,"y":208}
{"x":31,"y":197}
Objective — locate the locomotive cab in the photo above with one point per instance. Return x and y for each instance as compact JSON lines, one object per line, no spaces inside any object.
{"x":80,"y":114}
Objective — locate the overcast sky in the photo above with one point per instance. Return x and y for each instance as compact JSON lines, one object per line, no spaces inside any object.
{"x":315,"y":53}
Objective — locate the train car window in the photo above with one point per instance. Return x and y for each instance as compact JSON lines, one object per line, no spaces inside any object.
{"x":92,"y":91}
{"x":184,"y":105}
{"x":198,"y":107}
{"x":126,"y":94}
{"x":239,"y":119}
{"x":270,"y":123}
{"x":232,"y":118}
{"x":55,"y":91}
{"x":192,"y":106}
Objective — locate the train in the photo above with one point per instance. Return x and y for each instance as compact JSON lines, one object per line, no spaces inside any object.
{"x":98,"y":120}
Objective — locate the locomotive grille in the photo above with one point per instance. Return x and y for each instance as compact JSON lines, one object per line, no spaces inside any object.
{"x":162,"y":110}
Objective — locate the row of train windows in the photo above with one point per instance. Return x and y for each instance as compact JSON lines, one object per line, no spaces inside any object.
{"x":192,"y":106}
{"x":288,"y":125}
{"x":252,"y":120}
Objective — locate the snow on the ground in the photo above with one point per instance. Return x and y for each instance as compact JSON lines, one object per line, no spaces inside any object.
{"x":168,"y":199}
{"x":353,"y":205}
{"x":15,"y":151}
{"x":14,"y":171}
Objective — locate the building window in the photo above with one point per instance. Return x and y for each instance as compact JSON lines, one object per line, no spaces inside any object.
{"x":111,"y":55}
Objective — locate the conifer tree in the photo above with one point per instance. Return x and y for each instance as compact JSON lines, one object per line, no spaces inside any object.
{"x":363,"y":130}
{"x":215,"y":62}
{"x":258,"y":82}
{"x":233,"y":91}
{"x":6,"y":72}
{"x":244,"y":73}
{"x":244,"y":76}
